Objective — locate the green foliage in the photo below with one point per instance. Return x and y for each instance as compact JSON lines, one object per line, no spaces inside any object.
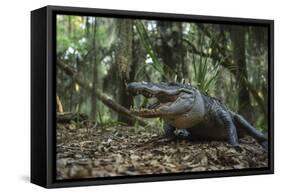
{"x":205,"y":74}
{"x":71,"y":36}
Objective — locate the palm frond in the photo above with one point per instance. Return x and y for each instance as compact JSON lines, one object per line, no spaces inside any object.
{"x":205,"y":74}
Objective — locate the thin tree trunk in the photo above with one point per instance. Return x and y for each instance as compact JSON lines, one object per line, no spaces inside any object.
{"x":124,"y":64}
{"x":72,"y":83}
{"x":171,"y":49}
{"x":183,"y":50}
{"x":139,"y":56}
{"x":237,"y":35}
{"x":95,"y":72}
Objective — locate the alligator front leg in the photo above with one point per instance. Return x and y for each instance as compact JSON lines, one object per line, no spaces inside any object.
{"x":173,"y":133}
{"x":182,"y":134}
{"x":226,"y":119}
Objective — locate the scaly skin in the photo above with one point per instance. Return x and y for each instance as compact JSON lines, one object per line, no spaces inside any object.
{"x":191,"y":114}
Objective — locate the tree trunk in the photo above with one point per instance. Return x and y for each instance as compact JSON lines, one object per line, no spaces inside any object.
{"x":183,"y":52}
{"x":95,"y":71}
{"x":171,"y":50}
{"x":124,"y":64}
{"x":237,"y":35}
{"x":139,"y":56}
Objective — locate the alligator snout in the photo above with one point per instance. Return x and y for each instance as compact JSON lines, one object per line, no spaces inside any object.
{"x":153,"y":89}
{"x":133,"y":86}
{"x":136,"y":88}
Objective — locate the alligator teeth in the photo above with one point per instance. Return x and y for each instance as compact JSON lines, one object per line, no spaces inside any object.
{"x":143,"y":110}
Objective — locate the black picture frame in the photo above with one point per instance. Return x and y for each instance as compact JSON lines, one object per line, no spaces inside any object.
{"x":43,"y":86}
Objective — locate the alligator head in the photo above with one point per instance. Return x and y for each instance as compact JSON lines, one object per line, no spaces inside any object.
{"x":172,"y":98}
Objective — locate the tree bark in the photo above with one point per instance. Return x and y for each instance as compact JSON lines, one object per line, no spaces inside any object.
{"x":171,"y":49}
{"x":124,"y":64}
{"x":237,"y":35}
{"x":95,"y":71}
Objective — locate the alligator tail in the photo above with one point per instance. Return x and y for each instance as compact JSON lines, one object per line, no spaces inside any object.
{"x":250,"y":130}
{"x":264,"y":144}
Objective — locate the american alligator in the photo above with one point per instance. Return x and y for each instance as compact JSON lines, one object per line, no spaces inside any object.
{"x":191,"y":114}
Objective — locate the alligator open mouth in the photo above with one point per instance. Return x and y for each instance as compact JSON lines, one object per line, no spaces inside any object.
{"x":153,"y":109}
{"x":157,"y":103}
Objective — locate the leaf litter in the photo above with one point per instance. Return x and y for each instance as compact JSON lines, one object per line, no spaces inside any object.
{"x":96,"y":151}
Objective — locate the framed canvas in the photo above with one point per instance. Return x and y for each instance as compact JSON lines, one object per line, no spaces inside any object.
{"x":125,"y":96}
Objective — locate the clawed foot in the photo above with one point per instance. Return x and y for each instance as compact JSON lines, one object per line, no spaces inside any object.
{"x":182,"y":134}
{"x":236,"y":146}
{"x":179,"y":134}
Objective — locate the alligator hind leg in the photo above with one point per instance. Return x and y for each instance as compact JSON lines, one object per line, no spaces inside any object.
{"x":226,"y":119}
{"x":249,"y":129}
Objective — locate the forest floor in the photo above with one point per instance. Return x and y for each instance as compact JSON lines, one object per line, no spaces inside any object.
{"x":85,"y":151}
